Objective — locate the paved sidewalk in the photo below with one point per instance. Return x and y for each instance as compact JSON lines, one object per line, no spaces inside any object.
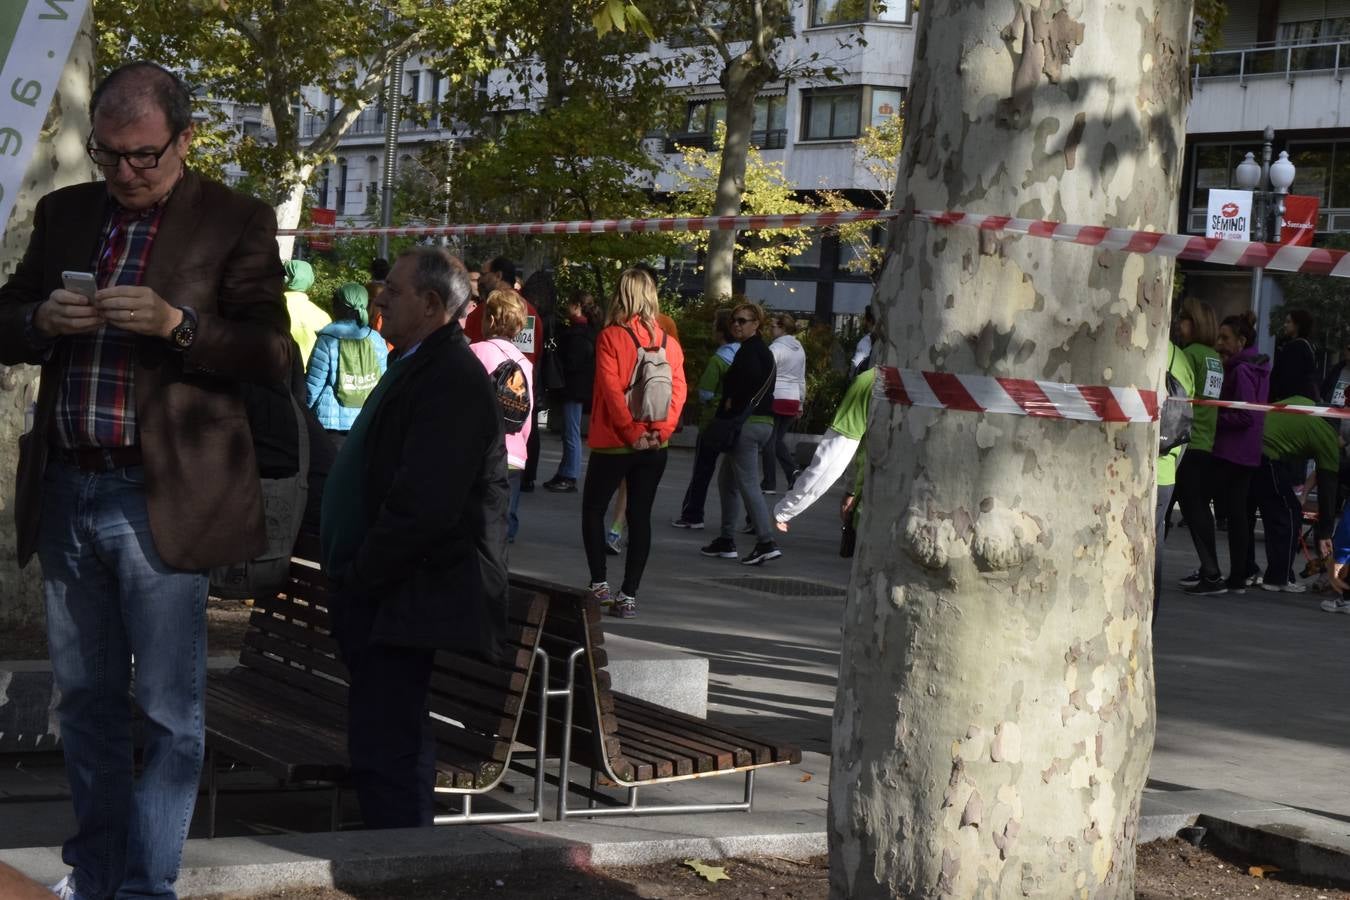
{"x":1250,"y":699}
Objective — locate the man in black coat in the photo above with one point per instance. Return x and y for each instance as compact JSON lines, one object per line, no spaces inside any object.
{"x":414,"y":534}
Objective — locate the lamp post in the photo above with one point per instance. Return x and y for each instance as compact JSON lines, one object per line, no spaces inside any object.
{"x":1268,"y":182}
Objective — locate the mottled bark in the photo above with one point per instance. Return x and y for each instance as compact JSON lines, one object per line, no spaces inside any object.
{"x":995,"y":711}
{"x":742,"y":86}
{"x":58,"y":160}
{"x":288,"y":211}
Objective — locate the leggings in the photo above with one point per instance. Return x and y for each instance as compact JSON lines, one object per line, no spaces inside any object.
{"x":604,"y":473}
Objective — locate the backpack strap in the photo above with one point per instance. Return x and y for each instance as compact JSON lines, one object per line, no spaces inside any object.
{"x":638,"y":344}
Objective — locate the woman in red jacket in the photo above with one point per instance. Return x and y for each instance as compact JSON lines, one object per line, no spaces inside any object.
{"x":625,"y":448}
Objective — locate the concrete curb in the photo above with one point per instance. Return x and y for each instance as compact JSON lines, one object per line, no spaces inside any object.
{"x":1283,"y":836}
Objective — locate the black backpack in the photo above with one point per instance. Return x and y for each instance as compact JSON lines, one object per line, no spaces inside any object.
{"x":1177,"y":413}
{"x":513,"y":395}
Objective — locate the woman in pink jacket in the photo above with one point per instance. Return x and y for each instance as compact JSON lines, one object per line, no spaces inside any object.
{"x":503,"y":319}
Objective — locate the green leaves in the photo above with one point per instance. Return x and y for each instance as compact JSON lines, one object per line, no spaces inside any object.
{"x":617,"y":15}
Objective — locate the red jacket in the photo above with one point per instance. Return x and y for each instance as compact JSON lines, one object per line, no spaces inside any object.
{"x":612,"y":424}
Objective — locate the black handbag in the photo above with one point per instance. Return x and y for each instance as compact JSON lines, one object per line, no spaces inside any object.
{"x":721,"y":434}
{"x":848,"y":539}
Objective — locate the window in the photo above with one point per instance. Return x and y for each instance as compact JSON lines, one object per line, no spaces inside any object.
{"x":831,"y":115}
{"x":769,"y":128}
{"x":840,"y":12}
{"x":341,"y":205}
{"x":885,"y":103}
{"x":412,"y":84}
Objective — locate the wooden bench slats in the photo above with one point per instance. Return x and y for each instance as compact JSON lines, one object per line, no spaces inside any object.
{"x":285,"y":650}
{"x":705,"y":730}
{"x":309,"y":618}
{"x":327,"y":688}
{"x":705,"y":757}
{"x":733,"y":753}
{"x":309,"y":638}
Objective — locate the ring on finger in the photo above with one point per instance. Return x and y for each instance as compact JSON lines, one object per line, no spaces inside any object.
{"x":131,"y":315}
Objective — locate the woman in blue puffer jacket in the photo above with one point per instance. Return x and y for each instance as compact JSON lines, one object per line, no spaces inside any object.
{"x":348,"y":359}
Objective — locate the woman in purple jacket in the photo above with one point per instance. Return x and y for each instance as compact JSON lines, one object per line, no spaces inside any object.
{"x":1237,"y":452}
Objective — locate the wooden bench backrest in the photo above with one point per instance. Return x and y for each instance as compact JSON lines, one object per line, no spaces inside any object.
{"x":290,"y":640}
{"x":574,"y":621}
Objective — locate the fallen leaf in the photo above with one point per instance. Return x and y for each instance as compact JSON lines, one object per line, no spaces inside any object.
{"x":806,"y":776}
{"x":708,"y":873}
{"x":1260,"y":871}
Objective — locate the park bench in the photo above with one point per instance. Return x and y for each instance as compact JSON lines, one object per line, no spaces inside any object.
{"x":283,"y":708}
{"x":629,"y":742}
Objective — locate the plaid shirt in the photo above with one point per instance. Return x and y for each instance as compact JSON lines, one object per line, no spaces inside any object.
{"x":96,"y":406}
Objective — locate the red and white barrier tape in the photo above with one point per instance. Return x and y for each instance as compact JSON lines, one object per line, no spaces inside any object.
{"x":1017,"y":396}
{"x":1243,"y":254}
{"x":1050,"y":399}
{"x":613,"y":226}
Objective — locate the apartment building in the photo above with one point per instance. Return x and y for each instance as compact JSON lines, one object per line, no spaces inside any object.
{"x":1282,"y":64}
{"x":810,"y":126}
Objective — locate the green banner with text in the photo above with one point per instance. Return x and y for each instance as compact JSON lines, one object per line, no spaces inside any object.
{"x":35,"y":41}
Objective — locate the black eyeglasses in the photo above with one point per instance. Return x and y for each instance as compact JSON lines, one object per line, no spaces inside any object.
{"x":739,"y":320}
{"x":137,"y":159}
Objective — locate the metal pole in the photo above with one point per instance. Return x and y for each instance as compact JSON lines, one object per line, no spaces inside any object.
{"x":393,"y":108}
{"x":1260,"y":210}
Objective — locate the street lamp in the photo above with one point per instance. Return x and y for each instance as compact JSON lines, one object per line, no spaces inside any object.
{"x":1268,"y":182}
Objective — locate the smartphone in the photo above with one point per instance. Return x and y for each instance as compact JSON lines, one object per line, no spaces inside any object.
{"x":80,"y":283}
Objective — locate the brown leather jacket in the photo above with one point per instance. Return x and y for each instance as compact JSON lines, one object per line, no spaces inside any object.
{"x":216,"y":252}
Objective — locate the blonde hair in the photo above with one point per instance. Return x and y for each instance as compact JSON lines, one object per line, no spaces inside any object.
{"x":786,"y":321}
{"x":503,"y":314}
{"x":756,"y":310}
{"x":1204,"y":324}
{"x":636,"y":296}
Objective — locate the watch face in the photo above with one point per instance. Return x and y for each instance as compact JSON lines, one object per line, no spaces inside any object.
{"x":183,"y":335}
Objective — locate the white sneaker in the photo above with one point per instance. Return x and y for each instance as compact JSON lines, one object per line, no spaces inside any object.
{"x":1336,"y":606}
{"x":1292,"y":587}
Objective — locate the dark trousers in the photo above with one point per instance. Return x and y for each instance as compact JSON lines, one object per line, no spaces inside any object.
{"x":389,"y":736}
{"x":604,"y":473}
{"x":696,"y":495}
{"x":1160,"y":524}
{"x":532,"y":446}
{"x":777,"y":449}
{"x":1196,"y":479}
{"x":1281,"y":517}
{"x":1234,"y":485}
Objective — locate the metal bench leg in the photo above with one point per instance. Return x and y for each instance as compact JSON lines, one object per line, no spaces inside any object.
{"x":565,"y":758}
{"x":541,"y":739}
{"x":595,"y":786}
{"x":335,"y":823}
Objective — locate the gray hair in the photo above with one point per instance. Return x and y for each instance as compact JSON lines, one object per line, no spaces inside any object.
{"x":130,"y":89}
{"x":440,"y":273}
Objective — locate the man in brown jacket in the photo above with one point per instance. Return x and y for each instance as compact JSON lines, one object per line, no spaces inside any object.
{"x":138,"y":474}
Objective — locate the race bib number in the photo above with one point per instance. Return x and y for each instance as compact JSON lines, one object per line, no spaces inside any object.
{"x":525,"y":340}
{"x":1338,"y":395}
{"x":1213,"y":379}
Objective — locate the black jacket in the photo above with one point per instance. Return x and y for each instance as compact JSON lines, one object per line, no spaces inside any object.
{"x":752,"y":368}
{"x":576,"y":356}
{"x":1294,"y":371}
{"x":434,"y":555}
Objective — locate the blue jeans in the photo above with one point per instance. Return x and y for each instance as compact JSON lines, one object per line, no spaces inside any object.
{"x":570,"y":467}
{"x":738,"y":482}
{"x":111,"y":598}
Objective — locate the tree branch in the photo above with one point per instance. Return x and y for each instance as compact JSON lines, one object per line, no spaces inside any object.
{"x":716,"y":36}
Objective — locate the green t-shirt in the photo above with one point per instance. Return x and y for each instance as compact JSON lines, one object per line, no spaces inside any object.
{"x":1208,"y":381}
{"x":850,"y":419}
{"x":711,"y":380}
{"x":1180,"y":367}
{"x":1295,"y":437}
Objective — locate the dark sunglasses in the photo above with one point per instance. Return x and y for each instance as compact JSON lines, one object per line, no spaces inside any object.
{"x":740,"y":320}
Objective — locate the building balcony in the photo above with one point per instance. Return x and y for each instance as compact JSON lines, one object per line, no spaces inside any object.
{"x":1289,"y":86}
